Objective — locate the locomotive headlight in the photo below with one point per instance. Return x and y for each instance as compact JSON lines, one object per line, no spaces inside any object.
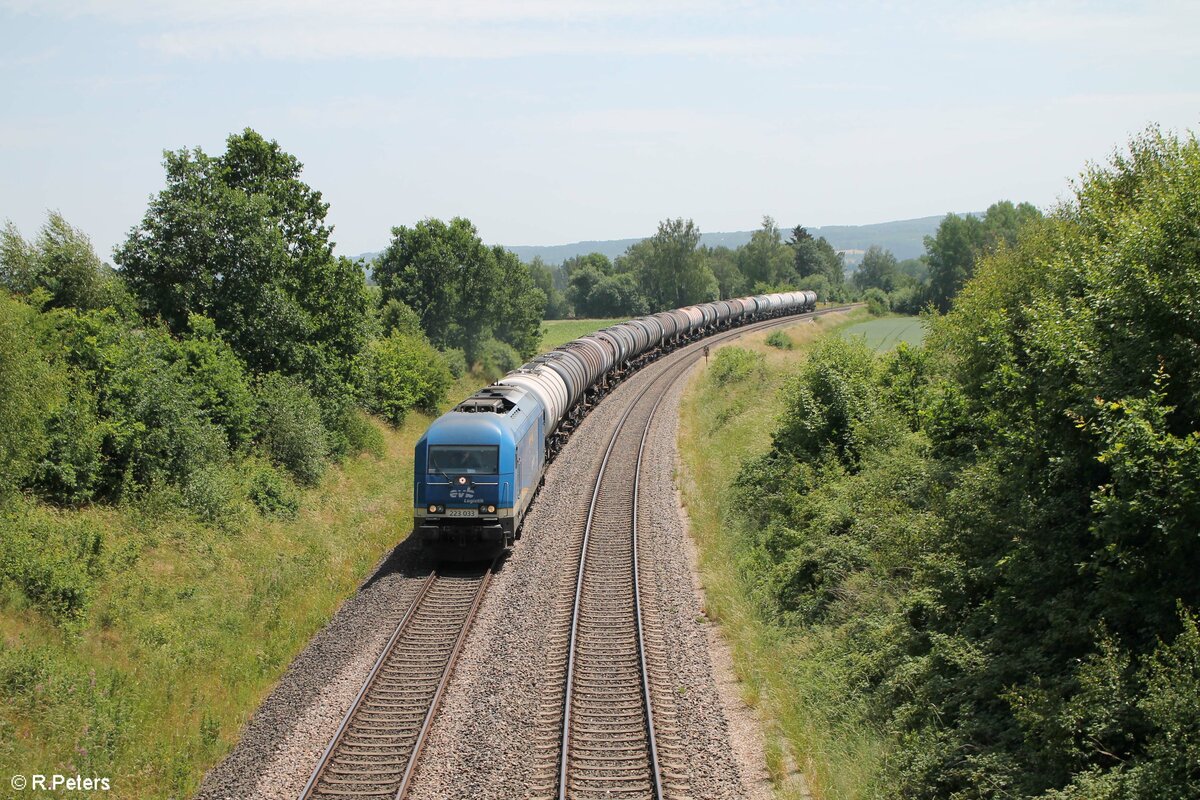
{"x":491,"y":509}
{"x":433,"y":509}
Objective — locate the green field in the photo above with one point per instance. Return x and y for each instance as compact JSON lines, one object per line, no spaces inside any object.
{"x":883,"y":334}
{"x":557,"y":332}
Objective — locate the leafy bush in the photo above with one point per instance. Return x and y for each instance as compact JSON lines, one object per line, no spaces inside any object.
{"x":907,"y":299}
{"x":735,"y":364}
{"x":220,"y":385}
{"x":71,"y":471}
{"x":877,"y":302}
{"x":399,"y":318}
{"x":30,"y":390}
{"x":214,"y":495}
{"x":54,"y":560}
{"x":498,"y":359}
{"x":831,"y":404}
{"x":272,"y":493}
{"x":405,"y":372}
{"x":291,"y":431}
{"x":61,"y":266}
{"x":362,"y":436}
{"x":339,"y":416}
{"x":781,"y":340}
{"x":154,"y":427}
{"x":164,"y":436}
{"x":456,"y":361}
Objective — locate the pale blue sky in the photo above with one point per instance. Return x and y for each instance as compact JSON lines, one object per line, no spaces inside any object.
{"x":552,"y":121}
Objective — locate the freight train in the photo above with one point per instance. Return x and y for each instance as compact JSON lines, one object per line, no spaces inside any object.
{"x":477,"y":469}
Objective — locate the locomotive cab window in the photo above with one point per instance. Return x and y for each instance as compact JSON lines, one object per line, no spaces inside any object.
{"x":462,"y":459}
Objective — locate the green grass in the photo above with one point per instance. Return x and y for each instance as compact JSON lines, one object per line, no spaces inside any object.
{"x":885,"y":333}
{"x":556,"y":332}
{"x":192,"y":625}
{"x":797,"y":699}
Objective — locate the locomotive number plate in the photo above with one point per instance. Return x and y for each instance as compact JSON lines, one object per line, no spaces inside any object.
{"x":461,"y":512}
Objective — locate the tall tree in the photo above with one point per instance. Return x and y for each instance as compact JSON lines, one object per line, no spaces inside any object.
{"x":518,"y":305}
{"x":915,"y":268}
{"x":952,"y":256}
{"x":723,"y":263}
{"x":584,"y":280}
{"x":799,"y":234}
{"x":1003,"y":221}
{"x":670,"y":269}
{"x":960,"y":241}
{"x":878,"y":270}
{"x":597,"y":261}
{"x":806,"y":256}
{"x":765,"y":259}
{"x":240,"y":239}
{"x":814,"y":256}
{"x":62,"y":263}
{"x":446,"y":274}
{"x":546,"y":279}
{"x":463,"y":291}
{"x":616,"y":295}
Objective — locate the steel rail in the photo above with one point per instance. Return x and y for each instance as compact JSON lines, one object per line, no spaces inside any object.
{"x":564,"y":759}
{"x":423,"y":735}
{"x":313,"y":788}
{"x":358,"y":698}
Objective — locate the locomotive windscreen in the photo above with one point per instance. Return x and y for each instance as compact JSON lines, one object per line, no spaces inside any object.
{"x":459,"y":459}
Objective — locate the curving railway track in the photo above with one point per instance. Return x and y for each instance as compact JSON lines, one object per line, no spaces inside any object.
{"x":610,"y":740}
{"x":609,"y":745}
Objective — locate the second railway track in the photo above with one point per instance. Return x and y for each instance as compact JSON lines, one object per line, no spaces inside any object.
{"x":610,"y":740}
{"x":609,"y":748}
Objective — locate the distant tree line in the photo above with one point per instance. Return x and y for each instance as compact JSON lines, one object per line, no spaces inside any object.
{"x":948,"y":263}
{"x":671,"y":269}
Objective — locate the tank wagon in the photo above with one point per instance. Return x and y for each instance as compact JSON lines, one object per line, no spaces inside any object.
{"x":478,"y":466}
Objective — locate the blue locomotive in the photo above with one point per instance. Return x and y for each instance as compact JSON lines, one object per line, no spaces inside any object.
{"x":478,"y":467}
{"x":476,"y":470}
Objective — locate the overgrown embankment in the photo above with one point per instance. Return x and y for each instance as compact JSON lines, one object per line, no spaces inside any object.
{"x":968,"y":570}
{"x":189,"y":479}
{"x":727,"y":417}
{"x":188,"y":622}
